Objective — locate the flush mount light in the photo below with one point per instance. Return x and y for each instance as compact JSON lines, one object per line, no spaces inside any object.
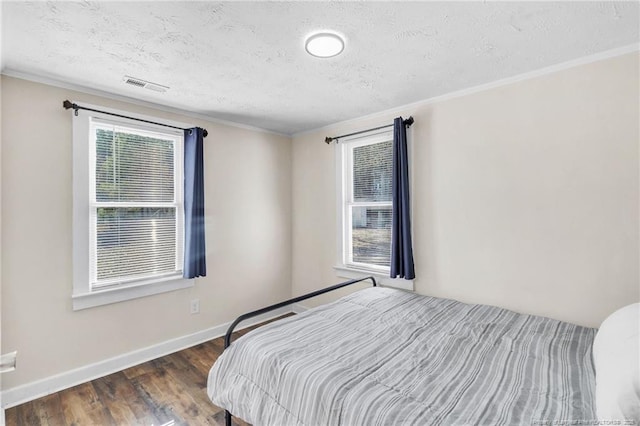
{"x":324,"y":45}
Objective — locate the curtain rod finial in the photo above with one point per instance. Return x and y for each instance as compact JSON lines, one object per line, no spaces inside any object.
{"x":68,"y":105}
{"x":328,"y":140}
{"x":409,"y":121}
{"x":205,"y":133}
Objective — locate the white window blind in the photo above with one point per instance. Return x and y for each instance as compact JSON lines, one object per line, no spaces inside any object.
{"x":135,"y":205}
{"x":368,"y":204}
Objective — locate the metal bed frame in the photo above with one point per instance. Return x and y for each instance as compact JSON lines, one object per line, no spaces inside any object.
{"x":227,"y":337}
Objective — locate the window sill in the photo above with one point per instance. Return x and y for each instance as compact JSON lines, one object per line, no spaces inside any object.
{"x":120,"y":294}
{"x":383,"y":280}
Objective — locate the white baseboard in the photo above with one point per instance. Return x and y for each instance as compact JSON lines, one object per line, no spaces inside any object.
{"x":30,"y":391}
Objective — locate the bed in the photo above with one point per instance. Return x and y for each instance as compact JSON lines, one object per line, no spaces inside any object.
{"x":382,"y":356}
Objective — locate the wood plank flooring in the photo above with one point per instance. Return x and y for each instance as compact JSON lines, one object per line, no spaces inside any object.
{"x":171,"y":390}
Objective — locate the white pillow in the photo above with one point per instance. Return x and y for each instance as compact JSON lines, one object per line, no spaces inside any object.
{"x":616,"y":356}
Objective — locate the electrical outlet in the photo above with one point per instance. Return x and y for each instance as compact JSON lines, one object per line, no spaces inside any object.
{"x":195,"y":306}
{"x":8,"y":362}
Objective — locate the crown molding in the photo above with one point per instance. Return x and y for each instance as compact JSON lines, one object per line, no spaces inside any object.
{"x":380,"y":114}
{"x":607,"y":54}
{"x":36,"y":78}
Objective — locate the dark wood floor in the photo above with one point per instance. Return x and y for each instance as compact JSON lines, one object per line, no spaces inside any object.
{"x":171,"y":390}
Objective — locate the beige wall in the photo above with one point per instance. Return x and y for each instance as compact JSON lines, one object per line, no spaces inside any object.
{"x":248,"y":209}
{"x":525,"y":196}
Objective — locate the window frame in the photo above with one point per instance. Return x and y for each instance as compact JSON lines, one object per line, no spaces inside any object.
{"x":349,"y":203}
{"x":85,"y":295}
{"x":344,"y":180}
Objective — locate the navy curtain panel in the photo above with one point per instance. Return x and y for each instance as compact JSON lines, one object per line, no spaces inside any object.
{"x":194,"y":248}
{"x":401,"y":249}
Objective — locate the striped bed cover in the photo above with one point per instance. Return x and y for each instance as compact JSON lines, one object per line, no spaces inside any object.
{"x":386,"y":357}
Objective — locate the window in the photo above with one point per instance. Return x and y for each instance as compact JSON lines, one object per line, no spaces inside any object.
{"x":135,"y":205}
{"x":366,"y":224}
{"x":365,"y":208}
{"x":128,"y":209}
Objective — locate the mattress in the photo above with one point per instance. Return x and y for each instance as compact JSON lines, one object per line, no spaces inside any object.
{"x":387,"y":357}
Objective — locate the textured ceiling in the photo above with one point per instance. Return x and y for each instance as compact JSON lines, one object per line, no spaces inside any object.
{"x":245,"y":61}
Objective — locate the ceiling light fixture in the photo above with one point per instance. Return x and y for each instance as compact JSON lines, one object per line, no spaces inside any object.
{"x":324,"y":45}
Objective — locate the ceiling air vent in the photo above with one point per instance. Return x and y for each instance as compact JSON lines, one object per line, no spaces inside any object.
{"x":146,"y":84}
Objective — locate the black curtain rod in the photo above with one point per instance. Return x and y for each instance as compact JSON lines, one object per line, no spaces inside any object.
{"x":329,"y":139}
{"x":76,"y":107}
